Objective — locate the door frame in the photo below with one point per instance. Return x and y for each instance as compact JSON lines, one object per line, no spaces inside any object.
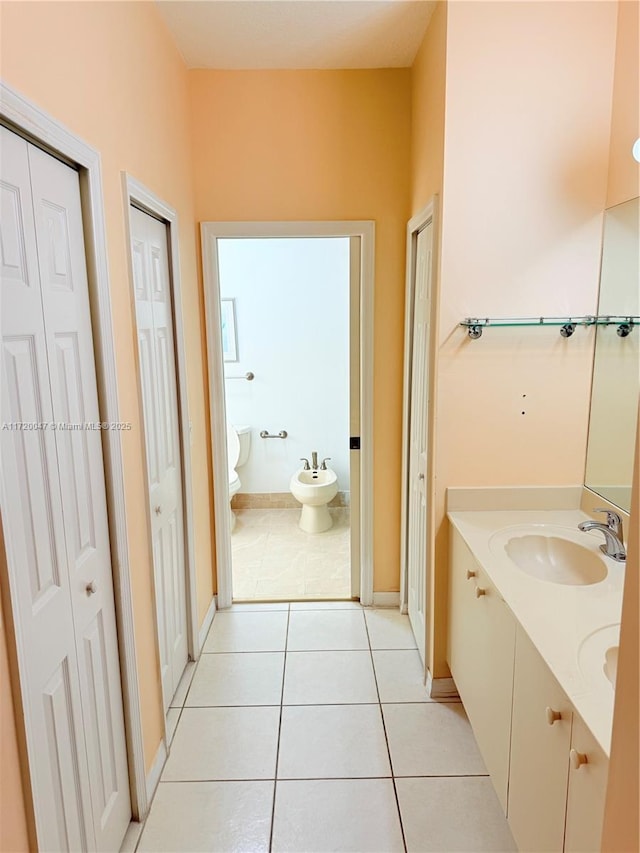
{"x":17,"y":113}
{"x":211,"y":232}
{"x":428,"y":214}
{"x":137,"y":194}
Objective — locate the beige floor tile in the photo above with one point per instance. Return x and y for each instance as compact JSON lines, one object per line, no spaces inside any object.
{"x":273,"y":558}
{"x":183,"y":686}
{"x":313,"y":630}
{"x":224,"y":743}
{"x":287,"y":568}
{"x":456,"y":814}
{"x":389,"y":629}
{"x":431,"y":739}
{"x":332,"y":741}
{"x":277,"y":588}
{"x":237,"y":679}
{"x":316,"y":678}
{"x":245,"y":588}
{"x":400,"y":675}
{"x":346,"y":815}
{"x":330,"y":586}
{"x":205,"y":816}
{"x":247,"y":632}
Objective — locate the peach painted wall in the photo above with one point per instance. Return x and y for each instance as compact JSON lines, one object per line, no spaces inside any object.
{"x":13,"y":820}
{"x":528,"y":112}
{"x":624,"y":171}
{"x":279,"y":145}
{"x":428,"y":111}
{"x":111,"y":73}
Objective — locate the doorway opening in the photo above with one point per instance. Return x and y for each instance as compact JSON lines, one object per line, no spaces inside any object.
{"x":285,"y":345}
{"x":288,"y":310}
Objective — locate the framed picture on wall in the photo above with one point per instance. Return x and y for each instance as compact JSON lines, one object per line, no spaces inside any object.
{"x":229,"y":332}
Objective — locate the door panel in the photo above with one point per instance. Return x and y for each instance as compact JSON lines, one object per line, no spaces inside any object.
{"x":417,"y":503}
{"x":64,"y":792}
{"x":154,"y":320}
{"x":34,"y":530}
{"x":58,"y":527}
{"x":65,"y":299}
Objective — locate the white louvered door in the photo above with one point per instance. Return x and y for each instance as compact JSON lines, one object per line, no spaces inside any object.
{"x":154,"y":318}
{"x":417,"y":504}
{"x":54,"y":510}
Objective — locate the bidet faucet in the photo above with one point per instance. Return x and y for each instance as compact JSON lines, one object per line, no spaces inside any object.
{"x":307,"y":467}
{"x":612,"y":530}
{"x":314,"y":460}
{"x":323,"y":464}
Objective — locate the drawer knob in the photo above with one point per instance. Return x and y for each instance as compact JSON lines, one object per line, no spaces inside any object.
{"x":552,"y":716}
{"x":480,"y":591}
{"x":470,"y":574}
{"x":577,"y":759}
{"x":91,"y":588}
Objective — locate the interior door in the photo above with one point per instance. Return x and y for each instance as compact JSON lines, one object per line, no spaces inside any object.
{"x":154,"y":318}
{"x":54,"y":511}
{"x":418,"y":419}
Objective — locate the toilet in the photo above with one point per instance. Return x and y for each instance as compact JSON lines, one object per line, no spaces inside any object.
{"x":238,"y":446}
{"x":314,"y":490}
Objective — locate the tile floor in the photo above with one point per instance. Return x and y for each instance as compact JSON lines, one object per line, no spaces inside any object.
{"x":273,"y":558}
{"x":306,"y":727}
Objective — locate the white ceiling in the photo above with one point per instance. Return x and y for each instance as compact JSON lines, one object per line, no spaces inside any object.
{"x":254,"y":34}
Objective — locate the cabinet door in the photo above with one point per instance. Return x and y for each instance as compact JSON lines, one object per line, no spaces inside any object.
{"x":481,"y":650}
{"x":587,"y":789}
{"x":540,"y":745}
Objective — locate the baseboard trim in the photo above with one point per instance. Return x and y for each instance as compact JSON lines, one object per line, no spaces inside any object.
{"x":441,"y":688}
{"x":386,"y":599}
{"x":206,"y":624}
{"x":153,"y":776}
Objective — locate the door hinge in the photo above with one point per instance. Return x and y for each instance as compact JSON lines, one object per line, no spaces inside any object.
{"x":354,"y":442}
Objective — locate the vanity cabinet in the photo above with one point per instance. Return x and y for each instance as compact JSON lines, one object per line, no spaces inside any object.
{"x":540,"y":745}
{"x":588,"y":774}
{"x":548,"y":771}
{"x":481,"y":650}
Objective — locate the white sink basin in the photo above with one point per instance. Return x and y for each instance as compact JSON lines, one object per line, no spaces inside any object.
{"x":552,"y":554}
{"x":598,"y":656}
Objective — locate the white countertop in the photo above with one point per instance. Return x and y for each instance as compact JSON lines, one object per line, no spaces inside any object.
{"x":558,"y":618}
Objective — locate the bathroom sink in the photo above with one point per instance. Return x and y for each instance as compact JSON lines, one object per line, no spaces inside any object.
{"x":552,"y":554}
{"x":598,"y":656}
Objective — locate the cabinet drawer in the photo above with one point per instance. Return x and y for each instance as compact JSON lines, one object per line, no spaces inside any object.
{"x":481,"y":644}
{"x":540,"y":744}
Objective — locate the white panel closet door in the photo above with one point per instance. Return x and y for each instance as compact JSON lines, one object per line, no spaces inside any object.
{"x":54,"y":511}
{"x":154,"y":318}
{"x":417,"y":505}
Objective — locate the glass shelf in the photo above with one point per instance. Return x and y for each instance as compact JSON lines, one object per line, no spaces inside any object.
{"x":625,"y":323}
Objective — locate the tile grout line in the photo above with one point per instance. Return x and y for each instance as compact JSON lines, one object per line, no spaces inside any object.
{"x":275,"y":780}
{"x":325,"y":778}
{"x":386,"y":738}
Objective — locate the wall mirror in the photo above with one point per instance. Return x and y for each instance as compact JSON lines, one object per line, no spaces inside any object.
{"x":616,"y":368}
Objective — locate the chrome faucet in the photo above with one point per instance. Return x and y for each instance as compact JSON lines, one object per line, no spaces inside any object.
{"x":314,"y":460}
{"x":307,"y":467}
{"x":614,"y":545}
{"x":323,"y":465}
